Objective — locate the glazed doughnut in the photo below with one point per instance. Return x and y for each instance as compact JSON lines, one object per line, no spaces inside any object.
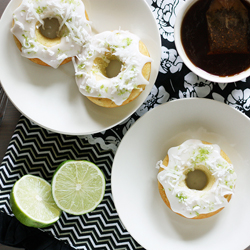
{"x":74,"y":30}
{"x":190,"y":156}
{"x":91,"y":64}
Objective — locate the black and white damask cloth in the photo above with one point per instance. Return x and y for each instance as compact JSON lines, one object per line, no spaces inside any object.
{"x":37,"y":151}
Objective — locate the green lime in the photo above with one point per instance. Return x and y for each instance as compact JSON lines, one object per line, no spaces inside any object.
{"x":78,"y":186}
{"x":32,"y":202}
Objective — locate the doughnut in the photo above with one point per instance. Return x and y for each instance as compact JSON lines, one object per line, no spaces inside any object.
{"x":195,"y":155}
{"x":73,"y":30}
{"x":91,"y":63}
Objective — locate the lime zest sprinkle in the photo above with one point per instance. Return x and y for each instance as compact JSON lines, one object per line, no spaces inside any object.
{"x":40,"y":10}
{"x":81,"y":66}
{"x":201,"y":156}
{"x":181,"y":197}
{"x":127,"y":40}
{"x":122,"y":91}
{"x":88,"y":89}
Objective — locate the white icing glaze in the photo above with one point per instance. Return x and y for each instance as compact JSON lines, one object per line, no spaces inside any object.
{"x":70,"y":13}
{"x":190,"y":202}
{"x":123,"y":45}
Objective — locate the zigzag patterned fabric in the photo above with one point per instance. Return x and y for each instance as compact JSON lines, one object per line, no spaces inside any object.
{"x":35,"y":150}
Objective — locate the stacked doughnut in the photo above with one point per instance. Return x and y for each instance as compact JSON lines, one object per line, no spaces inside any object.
{"x":91,"y":64}
{"x":91,"y":54}
{"x":74,"y":30}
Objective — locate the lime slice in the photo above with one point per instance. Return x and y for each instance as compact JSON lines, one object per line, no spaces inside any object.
{"x":32,"y":202}
{"x":78,"y":186}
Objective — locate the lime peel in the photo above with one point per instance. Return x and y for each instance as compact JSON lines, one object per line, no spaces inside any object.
{"x":32,"y":202}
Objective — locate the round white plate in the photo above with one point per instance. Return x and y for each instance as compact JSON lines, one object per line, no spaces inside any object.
{"x":50,"y":97}
{"x":134,"y":176}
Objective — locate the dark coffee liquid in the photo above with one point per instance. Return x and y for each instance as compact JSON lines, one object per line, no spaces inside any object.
{"x":194,"y":36}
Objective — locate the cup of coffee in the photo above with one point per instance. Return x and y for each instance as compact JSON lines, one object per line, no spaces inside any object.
{"x":212,"y":38}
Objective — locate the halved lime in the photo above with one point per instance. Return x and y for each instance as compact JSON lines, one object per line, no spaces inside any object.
{"x":78,"y":186}
{"x":32,"y":202}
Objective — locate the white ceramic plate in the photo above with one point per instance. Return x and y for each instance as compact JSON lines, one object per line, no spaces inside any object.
{"x":50,"y":97}
{"x":134,"y":176}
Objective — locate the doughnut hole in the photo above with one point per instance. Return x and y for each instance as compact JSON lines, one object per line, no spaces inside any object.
{"x":200,"y":178}
{"x":50,"y":28}
{"x":114,"y":68}
{"x":109,"y":67}
{"x":49,"y":34}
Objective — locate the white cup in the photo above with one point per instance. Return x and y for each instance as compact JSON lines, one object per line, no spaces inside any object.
{"x":198,"y":71}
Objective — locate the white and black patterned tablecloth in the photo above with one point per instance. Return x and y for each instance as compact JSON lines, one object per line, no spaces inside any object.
{"x":37,"y":151}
